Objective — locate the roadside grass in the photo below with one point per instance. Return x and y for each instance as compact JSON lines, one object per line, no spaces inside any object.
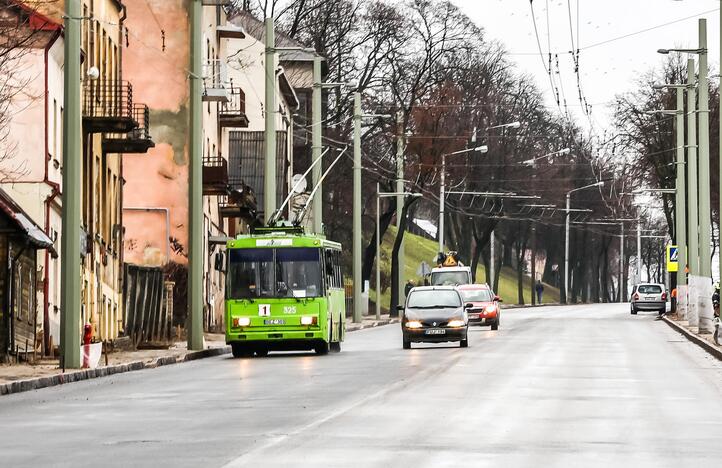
{"x":419,"y":249}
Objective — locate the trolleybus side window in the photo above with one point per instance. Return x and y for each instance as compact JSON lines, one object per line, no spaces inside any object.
{"x":298,"y":272}
{"x":339,"y":270}
{"x":250,"y":273}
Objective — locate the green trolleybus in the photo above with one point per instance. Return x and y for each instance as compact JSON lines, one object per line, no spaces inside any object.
{"x":284,"y":291}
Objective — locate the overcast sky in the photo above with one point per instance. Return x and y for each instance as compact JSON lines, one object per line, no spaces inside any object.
{"x":606,"y":68}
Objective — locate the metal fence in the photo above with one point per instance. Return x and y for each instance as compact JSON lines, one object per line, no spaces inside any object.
{"x":148,"y":306}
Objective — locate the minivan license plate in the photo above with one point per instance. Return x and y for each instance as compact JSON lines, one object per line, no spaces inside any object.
{"x":436,"y":331}
{"x":274,"y":322}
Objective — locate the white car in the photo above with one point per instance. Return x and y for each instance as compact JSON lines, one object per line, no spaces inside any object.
{"x":648,"y":296}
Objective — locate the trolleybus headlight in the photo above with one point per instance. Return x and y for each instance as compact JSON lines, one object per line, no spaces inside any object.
{"x":241,"y":322}
{"x":308,"y":320}
{"x":455,"y":323}
{"x":413,"y":324}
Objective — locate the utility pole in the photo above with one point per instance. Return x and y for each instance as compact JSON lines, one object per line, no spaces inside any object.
{"x":693,"y":224}
{"x":638,"y":278}
{"x":357,"y":286}
{"x":195,"y":182}
{"x":566,"y":249}
{"x":622,"y":297}
{"x":269,"y":180}
{"x":680,"y":214}
{"x":705,"y":313}
{"x":72,"y":151}
{"x":400,"y":200}
{"x":316,"y":129}
{"x":533,"y":263}
{"x":442,"y":203}
{"x":492,"y":240}
{"x":378,"y":251}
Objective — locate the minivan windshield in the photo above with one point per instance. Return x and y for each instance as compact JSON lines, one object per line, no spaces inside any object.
{"x":649,"y":289}
{"x":430,"y":298}
{"x":449,"y":278}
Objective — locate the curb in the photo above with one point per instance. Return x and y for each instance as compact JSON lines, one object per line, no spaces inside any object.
{"x":702,"y":343}
{"x":87,"y":374}
{"x":356,"y":327}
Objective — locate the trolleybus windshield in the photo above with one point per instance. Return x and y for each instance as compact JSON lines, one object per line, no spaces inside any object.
{"x":286,"y":272}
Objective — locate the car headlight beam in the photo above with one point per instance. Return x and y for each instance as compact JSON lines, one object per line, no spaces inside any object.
{"x":490,"y":308}
{"x":456,"y":323}
{"x":413,"y":324}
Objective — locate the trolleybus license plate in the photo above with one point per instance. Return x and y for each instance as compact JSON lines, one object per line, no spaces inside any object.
{"x":274,"y":322}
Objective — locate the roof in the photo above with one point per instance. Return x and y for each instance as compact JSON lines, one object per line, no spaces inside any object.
{"x":287,"y":90}
{"x":37,"y":20}
{"x":435,"y":288}
{"x":24,"y":223}
{"x":257,"y":29}
{"x":474,"y":286}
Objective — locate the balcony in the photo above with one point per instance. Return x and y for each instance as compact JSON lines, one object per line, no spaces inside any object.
{"x":214,"y":81}
{"x":233,"y":113}
{"x":138,"y":140}
{"x":215,"y":176}
{"x":240,"y":203}
{"x":108,"y":107}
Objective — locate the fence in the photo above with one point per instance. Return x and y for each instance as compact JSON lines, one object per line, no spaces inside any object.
{"x":148,"y":306}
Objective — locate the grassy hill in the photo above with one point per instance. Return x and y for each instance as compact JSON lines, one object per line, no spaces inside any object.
{"x":419,"y":249}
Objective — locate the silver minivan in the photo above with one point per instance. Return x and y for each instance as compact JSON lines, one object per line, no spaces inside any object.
{"x":649,"y":296}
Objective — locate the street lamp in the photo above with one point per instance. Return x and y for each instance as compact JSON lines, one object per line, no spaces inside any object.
{"x":379,"y":196}
{"x":532,"y":162}
{"x":516,"y":124}
{"x":442,"y":188}
{"x":566,"y":237}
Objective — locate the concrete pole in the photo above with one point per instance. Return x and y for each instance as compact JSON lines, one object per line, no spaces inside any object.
{"x":692,"y":174}
{"x":566,"y":251}
{"x":378,"y":252}
{"x":533,"y":264}
{"x":357,"y":281}
{"x":72,"y":164}
{"x":400,"y":200}
{"x":720,"y":169}
{"x":681,"y":211}
{"x":492,"y":241}
{"x":269,"y":181}
{"x":442,"y":203}
{"x":706,"y":315}
{"x":195,"y":182}
{"x":316,"y":144}
{"x":622,"y":265}
{"x":638,"y":278}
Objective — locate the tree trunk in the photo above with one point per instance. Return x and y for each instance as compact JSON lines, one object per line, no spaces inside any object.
{"x":370,"y":251}
{"x":395,"y":293}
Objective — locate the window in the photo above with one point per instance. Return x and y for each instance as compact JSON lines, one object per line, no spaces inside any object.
{"x":17,"y":297}
{"x":476,"y":295}
{"x":251,"y":273}
{"x":54,"y":133}
{"x":31,"y":295}
{"x":298,"y":272}
{"x":431,"y":298}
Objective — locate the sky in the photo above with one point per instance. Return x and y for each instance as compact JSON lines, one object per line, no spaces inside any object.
{"x":608,"y":62}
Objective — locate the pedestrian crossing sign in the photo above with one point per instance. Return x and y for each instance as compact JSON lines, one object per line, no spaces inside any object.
{"x":672,"y":258}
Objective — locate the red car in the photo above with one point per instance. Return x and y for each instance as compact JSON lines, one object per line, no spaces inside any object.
{"x":485,"y":304}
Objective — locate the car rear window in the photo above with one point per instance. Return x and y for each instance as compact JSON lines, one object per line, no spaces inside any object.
{"x":649,"y":289}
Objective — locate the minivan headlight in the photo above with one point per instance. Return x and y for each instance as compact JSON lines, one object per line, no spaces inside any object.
{"x":456,"y":323}
{"x":413,"y":324}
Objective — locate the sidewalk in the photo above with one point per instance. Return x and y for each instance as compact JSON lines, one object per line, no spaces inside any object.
{"x":47,"y":373}
{"x":704,"y":340}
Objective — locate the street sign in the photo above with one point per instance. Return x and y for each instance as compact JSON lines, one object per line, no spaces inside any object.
{"x":423,"y":270}
{"x":672,"y":258}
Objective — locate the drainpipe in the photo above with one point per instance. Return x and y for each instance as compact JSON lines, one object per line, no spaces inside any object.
{"x":55,"y":191}
{"x":167,"y":222}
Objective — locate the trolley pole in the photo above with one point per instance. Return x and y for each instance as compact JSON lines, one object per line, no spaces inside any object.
{"x":72,"y":151}
{"x":195,"y":182}
{"x":357,"y":280}
{"x":316,"y":129}
{"x":269,"y":180}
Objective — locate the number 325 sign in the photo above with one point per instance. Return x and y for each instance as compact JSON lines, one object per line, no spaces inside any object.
{"x":264,"y":310}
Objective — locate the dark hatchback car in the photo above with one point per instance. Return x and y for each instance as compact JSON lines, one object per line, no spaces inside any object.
{"x":434,"y":314}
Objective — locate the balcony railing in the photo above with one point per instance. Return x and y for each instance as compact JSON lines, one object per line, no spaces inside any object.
{"x":240,"y":203}
{"x":233,"y":113}
{"x":214,"y":81}
{"x":108,"y":106}
{"x":137,"y":140}
{"x":215,"y":175}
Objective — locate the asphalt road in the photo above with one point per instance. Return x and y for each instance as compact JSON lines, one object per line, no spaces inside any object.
{"x":588,"y":386}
